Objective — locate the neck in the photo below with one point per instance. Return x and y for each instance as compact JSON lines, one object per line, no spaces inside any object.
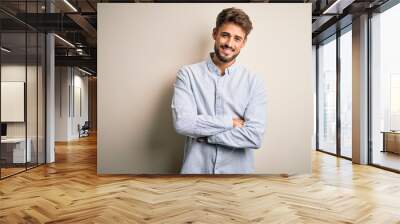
{"x":221,"y":65}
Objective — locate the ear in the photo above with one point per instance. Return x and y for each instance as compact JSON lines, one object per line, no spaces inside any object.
{"x":214,"y":33}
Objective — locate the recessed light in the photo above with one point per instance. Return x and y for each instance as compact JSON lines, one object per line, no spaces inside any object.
{"x":70,"y":5}
{"x":84,"y":71}
{"x":5,"y":50}
{"x":64,"y":40}
{"x":337,"y":7}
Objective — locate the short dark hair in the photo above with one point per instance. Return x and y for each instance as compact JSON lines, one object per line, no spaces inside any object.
{"x":236,"y":16}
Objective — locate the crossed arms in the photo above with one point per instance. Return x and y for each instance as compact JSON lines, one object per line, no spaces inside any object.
{"x":246,"y":132}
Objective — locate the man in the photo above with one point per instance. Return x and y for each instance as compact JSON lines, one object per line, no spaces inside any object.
{"x":219,"y":105}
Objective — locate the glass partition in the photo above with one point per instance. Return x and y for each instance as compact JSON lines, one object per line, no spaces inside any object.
{"x":327,"y":96}
{"x":385,"y":89}
{"x":13,"y":94}
{"x":22,"y":77}
{"x":31,"y":100}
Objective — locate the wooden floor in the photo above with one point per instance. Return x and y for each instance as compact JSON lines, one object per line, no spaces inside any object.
{"x":69,"y":191}
{"x":5,"y":172}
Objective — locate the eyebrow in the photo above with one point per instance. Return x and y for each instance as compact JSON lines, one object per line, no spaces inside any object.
{"x":236,"y":36}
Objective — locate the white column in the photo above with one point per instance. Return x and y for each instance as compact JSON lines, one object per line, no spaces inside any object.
{"x":50,"y":100}
{"x":50,"y":92}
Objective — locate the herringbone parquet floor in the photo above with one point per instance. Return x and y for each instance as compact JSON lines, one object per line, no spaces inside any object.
{"x":69,"y":191}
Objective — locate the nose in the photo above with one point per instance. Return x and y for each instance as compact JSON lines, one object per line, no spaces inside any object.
{"x":230,"y":42}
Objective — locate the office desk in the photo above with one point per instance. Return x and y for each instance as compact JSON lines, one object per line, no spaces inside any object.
{"x":391,"y":141}
{"x":13,"y":150}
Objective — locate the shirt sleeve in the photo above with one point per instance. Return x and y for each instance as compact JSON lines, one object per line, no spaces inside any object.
{"x":184,"y":112}
{"x":252,"y":133}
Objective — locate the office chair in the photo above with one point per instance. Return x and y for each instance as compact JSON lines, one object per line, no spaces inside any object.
{"x":84,"y":130}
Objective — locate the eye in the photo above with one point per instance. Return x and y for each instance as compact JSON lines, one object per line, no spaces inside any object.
{"x":238,"y":39}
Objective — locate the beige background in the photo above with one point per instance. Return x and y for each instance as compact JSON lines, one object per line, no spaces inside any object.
{"x":140,"y":49}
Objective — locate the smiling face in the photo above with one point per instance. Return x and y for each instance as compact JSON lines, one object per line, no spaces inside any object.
{"x":229,"y":40}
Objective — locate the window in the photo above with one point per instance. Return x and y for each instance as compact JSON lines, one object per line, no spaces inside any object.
{"x":385,"y":88}
{"x":346,"y":93}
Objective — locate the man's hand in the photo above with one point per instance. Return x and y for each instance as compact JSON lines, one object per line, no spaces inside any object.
{"x":238,"y":123}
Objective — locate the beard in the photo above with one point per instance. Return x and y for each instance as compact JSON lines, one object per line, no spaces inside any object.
{"x":222,"y":58}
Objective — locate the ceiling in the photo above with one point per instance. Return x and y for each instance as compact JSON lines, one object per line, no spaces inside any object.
{"x":76,"y":22}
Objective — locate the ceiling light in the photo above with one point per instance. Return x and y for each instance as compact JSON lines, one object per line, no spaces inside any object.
{"x":5,"y":50}
{"x":70,"y":5}
{"x":64,"y":40}
{"x":337,"y":7}
{"x":84,"y":71}
{"x":329,"y":9}
{"x":79,"y":51}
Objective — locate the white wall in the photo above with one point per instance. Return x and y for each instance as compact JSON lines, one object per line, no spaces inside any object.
{"x":61,"y":103}
{"x":67,"y":84}
{"x":12,"y":101}
{"x":140,"y":49}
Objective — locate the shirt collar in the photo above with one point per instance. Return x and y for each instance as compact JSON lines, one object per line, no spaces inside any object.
{"x":214,"y":68}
